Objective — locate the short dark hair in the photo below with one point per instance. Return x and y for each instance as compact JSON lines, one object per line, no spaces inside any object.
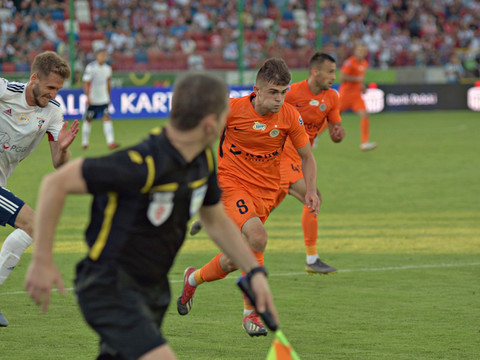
{"x":318,"y":59}
{"x":195,"y":96}
{"x":50,"y":62}
{"x":274,"y":71}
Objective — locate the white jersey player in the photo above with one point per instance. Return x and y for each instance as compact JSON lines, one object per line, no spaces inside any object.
{"x":28,"y":112}
{"x":97,"y":87}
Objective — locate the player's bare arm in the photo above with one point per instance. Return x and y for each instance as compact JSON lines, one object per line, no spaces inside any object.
{"x":42,"y":274}
{"x":337,"y":132}
{"x":226,"y":235}
{"x":59,"y":148}
{"x":309,"y":168}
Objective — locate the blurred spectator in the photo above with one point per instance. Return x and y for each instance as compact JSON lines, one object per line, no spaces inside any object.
{"x":454,"y":70}
{"x":9,"y":29}
{"x":166,"y":41}
{"x":187,"y":45}
{"x":195,"y":61}
{"x":49,"y":28}
{"x":230,"y":51}
{"x":201,"y":19}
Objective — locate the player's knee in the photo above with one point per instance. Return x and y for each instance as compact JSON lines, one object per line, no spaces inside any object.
{"x":227,"y":264}
{"x":258,"y":240}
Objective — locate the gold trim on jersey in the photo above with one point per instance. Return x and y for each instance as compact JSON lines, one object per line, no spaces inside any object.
{"x":156,"y":131}
{"x":102,"y":237}
{"x":197,"y":183}
{"x":135,"y":157}
{"x":210,"y":161}
{"x":151,"y":174}
{"x":165,"y":187}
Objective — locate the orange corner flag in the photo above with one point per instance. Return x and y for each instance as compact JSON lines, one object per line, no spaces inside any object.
{"x":281,"y":349}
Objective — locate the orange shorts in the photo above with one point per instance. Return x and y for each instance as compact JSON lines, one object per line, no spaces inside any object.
{"x":351,"y":101}
{"x":242,"y":202}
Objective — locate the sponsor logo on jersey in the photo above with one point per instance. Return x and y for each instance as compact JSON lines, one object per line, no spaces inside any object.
{"x":259,"y":126}
{"x":300,"y":121}
{"x":41,"y":121}
{"x":313,"y":102}
{"x":8,"y":112}
{"x":253,"y":157}
{"x":23,"y":119}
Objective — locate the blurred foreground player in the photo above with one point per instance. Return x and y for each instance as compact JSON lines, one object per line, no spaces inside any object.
{"x":143,"y":198}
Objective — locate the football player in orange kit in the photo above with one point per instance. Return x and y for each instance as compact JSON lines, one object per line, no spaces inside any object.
{"x":352,"y":86}
{"x":319,"y":107}
{"x":249,"y":174}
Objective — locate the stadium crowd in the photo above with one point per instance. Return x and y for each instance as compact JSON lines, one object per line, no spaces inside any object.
{"x":177,"y":34}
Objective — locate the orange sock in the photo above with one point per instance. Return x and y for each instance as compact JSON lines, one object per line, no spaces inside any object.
{"x":365,"y":129}
{"x":261,"y":261}
{"x":211,"y":271}
{"x":310,"y":231}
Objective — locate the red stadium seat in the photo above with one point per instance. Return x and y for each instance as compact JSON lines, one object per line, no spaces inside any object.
{"x":85,"y":27}
{"x":86,"y":45}
{"x":48,"y":46}
{"x":8,"y":67}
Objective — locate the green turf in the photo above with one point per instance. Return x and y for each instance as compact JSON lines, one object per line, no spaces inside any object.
{"x":402,"y":223}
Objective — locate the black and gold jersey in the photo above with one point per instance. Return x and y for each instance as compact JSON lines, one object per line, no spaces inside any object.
{"x":143,"y":198}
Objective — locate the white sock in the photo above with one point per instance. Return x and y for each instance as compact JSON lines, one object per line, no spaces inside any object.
{"x":108,"y":131}
{"x":13,"y":247}
{"x":312,"y":258}
{"x":85,"y":132}
{"x":246,"y":312}
{"x":191,"y":280}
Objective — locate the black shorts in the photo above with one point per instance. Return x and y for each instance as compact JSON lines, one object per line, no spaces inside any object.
{"x":125,"y":314}
{"x":95,"y":111}
{"x":10,"y":206}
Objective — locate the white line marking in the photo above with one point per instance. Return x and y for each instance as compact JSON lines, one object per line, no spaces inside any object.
{"x":390,"y":268}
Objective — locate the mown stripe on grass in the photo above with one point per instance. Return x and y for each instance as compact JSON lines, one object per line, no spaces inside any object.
{"x":388,"y":268}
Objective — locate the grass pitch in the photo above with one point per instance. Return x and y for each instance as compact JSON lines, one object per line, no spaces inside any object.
{"x":402,"y":223}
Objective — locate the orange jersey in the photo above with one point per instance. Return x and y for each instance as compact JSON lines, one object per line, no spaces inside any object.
{"x":315,"y":110}
{"x":353,"y":67}
{"x":251,"y":144}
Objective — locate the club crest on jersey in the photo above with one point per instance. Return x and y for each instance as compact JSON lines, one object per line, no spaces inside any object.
{"x":23,"y":119}
{"x":41,"y":121}
{"x":274,"y":132}
{"x":259,"y":126}
{"x":323,"y":107}
{"x":313,"y":102}
{"x":160,"y":207}
{"x":8,"y":112}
